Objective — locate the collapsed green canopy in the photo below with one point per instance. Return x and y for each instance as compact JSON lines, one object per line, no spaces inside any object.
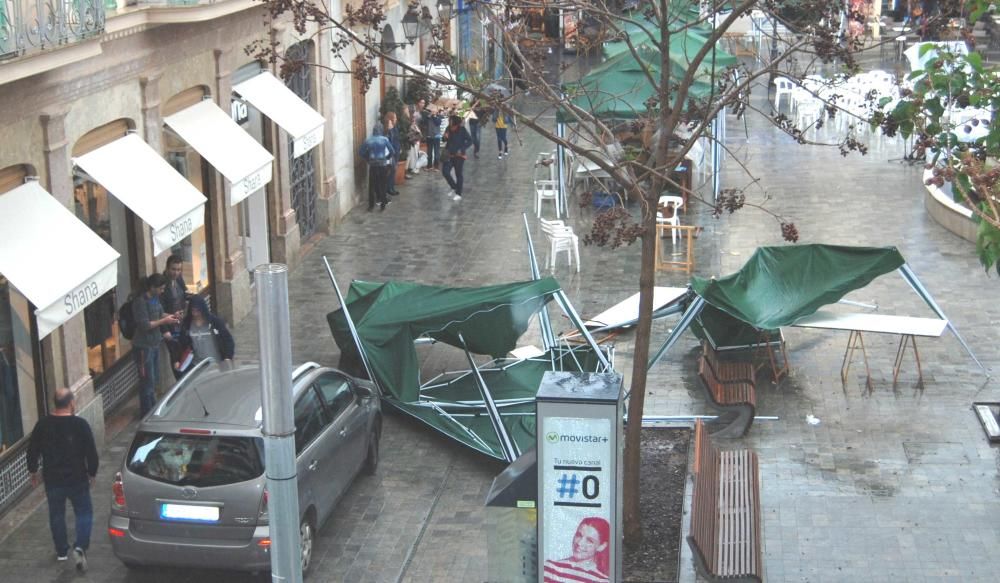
{"x":779,"y":285}
{"x":390,"y":316}
{"x":684,"y":45}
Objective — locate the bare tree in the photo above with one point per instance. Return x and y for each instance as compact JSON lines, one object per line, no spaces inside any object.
{"x":801,"y":36}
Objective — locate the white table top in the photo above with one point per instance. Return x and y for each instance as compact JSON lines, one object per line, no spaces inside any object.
{"x":627,"y":310}
{"x":880,"y":323}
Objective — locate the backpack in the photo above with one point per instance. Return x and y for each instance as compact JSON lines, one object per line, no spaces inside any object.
{"x":126,"y":320}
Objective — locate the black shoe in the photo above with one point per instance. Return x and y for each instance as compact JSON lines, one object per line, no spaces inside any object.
{"x":383,"y":205}
{"x":394,"y":193}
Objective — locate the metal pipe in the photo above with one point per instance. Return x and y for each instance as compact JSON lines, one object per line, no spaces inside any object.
{"x":689,"y":315}
{"x":350,"y":326}
{"x":575,"y":318}
{"x":507,"y":445}
{"x":664,"y":418}
{"x":278,"y":420}
{"x":548,"y":338}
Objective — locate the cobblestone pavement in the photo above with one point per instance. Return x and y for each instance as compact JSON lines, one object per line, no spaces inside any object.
{"x":893,"y":484}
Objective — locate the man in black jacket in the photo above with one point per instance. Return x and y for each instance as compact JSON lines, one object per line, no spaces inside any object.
{"x":69,"y":465}
{"x":456,"y":141}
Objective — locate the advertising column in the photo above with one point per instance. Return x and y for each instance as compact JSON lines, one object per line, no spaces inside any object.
{"x":579,"y":477}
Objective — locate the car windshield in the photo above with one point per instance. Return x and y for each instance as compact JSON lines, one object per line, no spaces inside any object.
{"x":196,"y":460}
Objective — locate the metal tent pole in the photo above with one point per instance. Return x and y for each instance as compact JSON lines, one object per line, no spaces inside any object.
{"x":510,"y":452}
{"x":350,"y":323}
{"x":548,"y":338}
{"x":278,"y":421}
{"x":911,"y":278}
{"x":692,"y":312}
{"x":575,"y":318}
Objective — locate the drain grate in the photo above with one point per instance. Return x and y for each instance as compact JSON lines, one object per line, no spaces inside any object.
{"x":988,"y":414}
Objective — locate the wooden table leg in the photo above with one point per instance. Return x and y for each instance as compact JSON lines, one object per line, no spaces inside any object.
{"x":855,"y":340}
{"x":900,"y":352}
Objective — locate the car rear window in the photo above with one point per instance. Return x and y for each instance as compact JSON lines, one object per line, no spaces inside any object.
{"x":196,"y":460}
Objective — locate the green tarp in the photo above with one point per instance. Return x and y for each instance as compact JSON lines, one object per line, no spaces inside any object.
{"x":390,"y":316}
{"x":779,"y":285}
{"x":684,"y":45}
{"x":619,"y":88}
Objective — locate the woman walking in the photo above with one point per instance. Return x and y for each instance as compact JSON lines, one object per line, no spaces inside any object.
{"x":501,"y":121}
{"x":203,"y":335}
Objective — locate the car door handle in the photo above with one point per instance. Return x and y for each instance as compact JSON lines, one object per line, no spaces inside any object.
{"x":313,"y":465}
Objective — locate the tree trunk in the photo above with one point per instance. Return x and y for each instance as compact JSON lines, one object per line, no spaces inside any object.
{"x":637,"y":394}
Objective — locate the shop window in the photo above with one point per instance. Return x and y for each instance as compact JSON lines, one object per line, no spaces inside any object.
{"x":193,"y":249}
{"x":11,"y":427}
{"x":96,"y":208}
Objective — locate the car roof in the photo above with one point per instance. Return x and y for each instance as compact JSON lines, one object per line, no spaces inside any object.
{"x":219,"y":394}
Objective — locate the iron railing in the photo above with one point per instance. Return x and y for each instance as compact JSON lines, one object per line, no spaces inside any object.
{"x":28,"y":26}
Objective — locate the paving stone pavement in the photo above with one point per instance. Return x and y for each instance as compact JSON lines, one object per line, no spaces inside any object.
{"x":893,"y":484}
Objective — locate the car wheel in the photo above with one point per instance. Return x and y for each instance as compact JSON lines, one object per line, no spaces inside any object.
{"x":371,"y":462}
{"x":307,"y":536}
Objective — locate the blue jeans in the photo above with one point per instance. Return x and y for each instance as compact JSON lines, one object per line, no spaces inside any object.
{"x":79,"y":497}
{"x":147,"y":362}
{"x":433,"y":152}
{"x":476,"y":131}
{"x":502,"y":140}
{"x":457,"y":163}
{"x":391,"y":178}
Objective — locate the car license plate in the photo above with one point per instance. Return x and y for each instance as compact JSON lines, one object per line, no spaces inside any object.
{"x":189,"y":513}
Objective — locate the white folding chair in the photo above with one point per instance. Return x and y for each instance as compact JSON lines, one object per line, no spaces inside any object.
{"x":546,"y":190}
{"x":561,"y":238}
{"x":675,"y":203}
{"x":782,"y":86}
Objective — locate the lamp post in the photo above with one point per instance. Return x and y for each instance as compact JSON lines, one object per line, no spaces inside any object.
{"x":444,"y":10}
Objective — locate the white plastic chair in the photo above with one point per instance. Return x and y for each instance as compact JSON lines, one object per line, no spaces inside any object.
{"x":561,"y":238}
{"x":677,"y":202}
{"x":782,"y":86}
{"x":546,"y":190}
{"x":808,"y":112}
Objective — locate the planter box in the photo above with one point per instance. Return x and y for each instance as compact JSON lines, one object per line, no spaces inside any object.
{"x":400,"y":171}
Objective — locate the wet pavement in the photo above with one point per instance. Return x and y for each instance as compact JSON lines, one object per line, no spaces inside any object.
{"x":891,"y":485}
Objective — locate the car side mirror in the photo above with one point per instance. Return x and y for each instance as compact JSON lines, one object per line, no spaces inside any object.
{"x":363,"y":391}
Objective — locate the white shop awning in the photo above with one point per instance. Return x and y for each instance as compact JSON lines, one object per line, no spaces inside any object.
{"x":226,"y":146}
{"x":144,"y":182}
{"x":55,"y":260}
{"x":269,"y":95}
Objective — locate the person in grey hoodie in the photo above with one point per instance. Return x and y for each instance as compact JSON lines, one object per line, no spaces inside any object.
{"x":378,"y":151}
{"x":151,"y":329}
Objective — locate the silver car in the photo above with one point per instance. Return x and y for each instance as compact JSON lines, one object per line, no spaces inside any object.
{"x":191,"y":491}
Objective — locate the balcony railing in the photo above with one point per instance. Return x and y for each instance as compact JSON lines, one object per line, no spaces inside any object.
{"x":28,"y":26}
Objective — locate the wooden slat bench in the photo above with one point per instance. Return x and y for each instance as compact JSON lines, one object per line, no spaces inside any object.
{"x":726,"y":370}
{"x":736,"y":398}
{"x":725,"y":536}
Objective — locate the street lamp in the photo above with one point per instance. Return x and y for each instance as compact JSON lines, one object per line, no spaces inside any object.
{"x":411,"y":26}
{"x":444,"y":10}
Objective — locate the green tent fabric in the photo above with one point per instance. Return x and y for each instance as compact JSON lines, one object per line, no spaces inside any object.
{"x":779,"y":285}
{"x":619,"y":88}
{"x":390,"y":316}
{"x":684,"y":45}
{"x":723,"y":331}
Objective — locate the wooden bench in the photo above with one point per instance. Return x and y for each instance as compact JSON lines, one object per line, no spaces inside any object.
{"x":728,"y":371}
{"x":736,"y":398}
{"x":725,"y":534}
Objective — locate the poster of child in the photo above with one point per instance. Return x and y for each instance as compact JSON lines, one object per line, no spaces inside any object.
{"x":589,"y":555}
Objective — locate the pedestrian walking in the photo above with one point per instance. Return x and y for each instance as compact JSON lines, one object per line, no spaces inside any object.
{"x":456,"y":141}
{"x":432,"y":136}
{"x":65,"y":444}
{"x":392,"y":132}
{"x":152,"y":328}
{"x":203,"y":335}
{"x":479,"y":116}
{"x":501,"y":121}
{"x":377,"y":151}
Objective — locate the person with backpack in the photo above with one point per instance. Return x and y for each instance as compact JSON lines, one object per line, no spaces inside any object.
{"x":377,"y":150}
{"x":456,"y":141}
{"x":151,"y":329}
{"x":203,"y":335}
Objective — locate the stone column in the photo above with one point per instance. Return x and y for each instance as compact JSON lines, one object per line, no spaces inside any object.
{"x":232,"y":280}
{"x":64,"y":352}
{"x":152,"y":133}
{"x":285,"y":239}
{"x":327,"y":203}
